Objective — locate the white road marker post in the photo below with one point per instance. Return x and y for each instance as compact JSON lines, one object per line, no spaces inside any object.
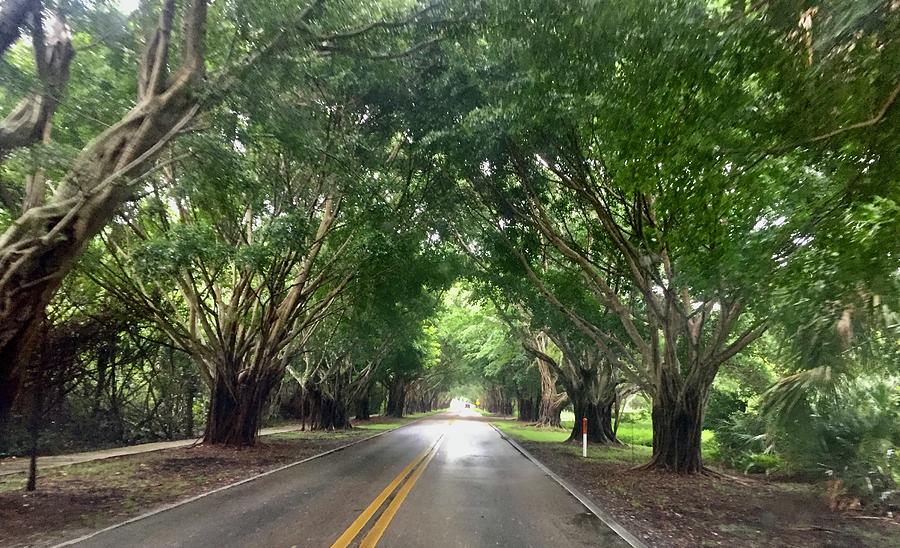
{"x":584,"y":437}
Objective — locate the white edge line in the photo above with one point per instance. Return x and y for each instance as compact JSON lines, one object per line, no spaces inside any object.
{"x":229,"y":486}
{"x":582,"y":498}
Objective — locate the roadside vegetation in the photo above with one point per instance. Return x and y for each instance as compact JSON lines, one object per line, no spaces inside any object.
{"x":676,"y":219}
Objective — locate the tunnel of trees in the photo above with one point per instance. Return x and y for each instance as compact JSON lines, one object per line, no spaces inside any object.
{"x":215,"y":215}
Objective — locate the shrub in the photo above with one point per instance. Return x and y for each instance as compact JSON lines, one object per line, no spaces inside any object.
{"x":721,"y":405}
{"x":762,"y":463}
{"x":739,"y":437}
{"x":850,"y":434}
{"x":635,"y":416}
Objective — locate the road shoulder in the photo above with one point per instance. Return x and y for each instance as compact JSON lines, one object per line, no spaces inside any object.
{"x":584,"y":499}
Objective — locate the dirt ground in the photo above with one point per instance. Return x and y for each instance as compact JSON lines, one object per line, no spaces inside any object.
{"x":667,"y":510}
{"x":74,"y":500}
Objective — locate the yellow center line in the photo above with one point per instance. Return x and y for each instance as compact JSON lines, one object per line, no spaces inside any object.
{"x":344,"y":540}
{"x":381,"y":525}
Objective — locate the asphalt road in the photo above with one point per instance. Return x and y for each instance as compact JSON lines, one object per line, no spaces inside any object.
{"x":444,"y":481}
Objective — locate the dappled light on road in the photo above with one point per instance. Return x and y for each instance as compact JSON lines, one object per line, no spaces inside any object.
{"x":458,"y":441}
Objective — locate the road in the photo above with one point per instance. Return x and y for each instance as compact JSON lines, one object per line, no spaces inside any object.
{"x":444,"y":481}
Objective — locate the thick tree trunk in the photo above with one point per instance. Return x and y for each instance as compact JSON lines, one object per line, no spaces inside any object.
{"x":552,"y":402}
{"x":235,"y":412}
{"x":529,"y":407}
{"x":677,"y":429}
{"x":333,"y":415}
{"x":317,"y":410}
{"x":599,"y":416}
{"x":13,"y":358}
{"x":362,"y":408}
{"x":550,"y":411}
{"x":396,"y":398}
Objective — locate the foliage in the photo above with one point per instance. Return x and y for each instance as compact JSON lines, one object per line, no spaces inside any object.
{"x":850,"y":433}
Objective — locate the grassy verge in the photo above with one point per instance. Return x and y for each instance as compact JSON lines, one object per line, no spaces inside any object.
{"x":637,"y":435}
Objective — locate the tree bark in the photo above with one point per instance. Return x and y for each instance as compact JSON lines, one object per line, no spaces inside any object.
{"x":190,"y":392}
{"x":41,"y":246}
{"x":552,"y":402}
{"x":333,"y":415}
{"x":677,"y":429}
{"x":396,"y":398}
{"x":550,"y":411}
{"x":528,"y":408}
{"x":363,"y":412}
{"x":599,"y":416}
{"x":29,"y":122}
{"x":235,"y":412}
{"x":13,"y":16}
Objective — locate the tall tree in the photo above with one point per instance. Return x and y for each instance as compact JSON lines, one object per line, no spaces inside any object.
{"x":629,"y":139}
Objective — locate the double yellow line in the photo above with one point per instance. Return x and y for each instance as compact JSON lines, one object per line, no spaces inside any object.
{"x":408,"y":478}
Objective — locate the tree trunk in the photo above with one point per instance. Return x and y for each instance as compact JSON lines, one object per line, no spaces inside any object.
{"x":552,"y":402}
{"x":190,"y":392}
{"x":333,"y":415}
{"x":677,"y":428}
{"x":31,"y":119}
{"x":529,"y":408}
{"x":39,"y":248}
{"x":396,"y":398}
{"x":599,"y":416}
{"x":362,"y":408}
{"x":13,"y":16}
{"x":550,"y":411}
{"x":235,"y":412}
{"x":13,"y":358}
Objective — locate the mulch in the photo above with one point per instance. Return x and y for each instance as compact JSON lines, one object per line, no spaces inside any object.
{"x":669,"y":510}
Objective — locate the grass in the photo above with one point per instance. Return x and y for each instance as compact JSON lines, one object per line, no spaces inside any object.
{"x":522,"y":431}
{"x":105,"y":468}
{"x":380,"y":426}
{"x":637,"y":435}
{"x":426,"y":414}
{"x":310,"y":435}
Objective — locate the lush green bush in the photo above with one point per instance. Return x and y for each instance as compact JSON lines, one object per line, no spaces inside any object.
{"x":635,"y":416}
{"x":742,"y":442}
{"x":761,"y":463}
{"x":851,"y":433}
{"x":721,"y":405}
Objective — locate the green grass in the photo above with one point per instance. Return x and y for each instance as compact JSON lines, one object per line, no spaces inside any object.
{"x":380,"y":426}
{"x":426,"y":414}
{"x":310,"y":435}
{"x":522,"y":431}
{"x":637,"y":435}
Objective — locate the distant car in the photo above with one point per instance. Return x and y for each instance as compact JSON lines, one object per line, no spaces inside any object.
{"x":468,"y":405}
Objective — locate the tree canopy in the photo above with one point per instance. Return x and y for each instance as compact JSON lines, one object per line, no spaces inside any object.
{"x":320,"y":209}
